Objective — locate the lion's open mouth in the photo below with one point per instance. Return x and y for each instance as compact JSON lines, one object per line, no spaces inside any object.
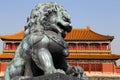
{"x":67,"y":28}
{"x":62,"y":29}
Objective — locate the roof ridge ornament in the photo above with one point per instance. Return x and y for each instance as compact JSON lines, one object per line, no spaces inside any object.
{"x":88,"y":27}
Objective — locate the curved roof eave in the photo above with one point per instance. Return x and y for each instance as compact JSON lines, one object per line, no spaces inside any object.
{"x":76,"y":34}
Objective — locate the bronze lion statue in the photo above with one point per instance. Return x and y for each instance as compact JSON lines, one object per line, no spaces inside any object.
{"x":43,"y":49}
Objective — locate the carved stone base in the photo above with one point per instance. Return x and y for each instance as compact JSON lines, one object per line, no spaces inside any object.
{"x":55,"y":76}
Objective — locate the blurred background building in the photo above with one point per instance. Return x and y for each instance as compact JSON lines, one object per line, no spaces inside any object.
{"x":88,"y":49}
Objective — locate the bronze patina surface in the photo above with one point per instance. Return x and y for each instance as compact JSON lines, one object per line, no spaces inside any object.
{"x":43,"y":49}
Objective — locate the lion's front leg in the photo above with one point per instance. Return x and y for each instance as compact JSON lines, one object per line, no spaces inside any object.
{"x":45,"y":62}
{"x":14,"y":69}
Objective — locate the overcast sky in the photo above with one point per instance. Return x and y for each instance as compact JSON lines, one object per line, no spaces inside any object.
{"x":103,"y":16}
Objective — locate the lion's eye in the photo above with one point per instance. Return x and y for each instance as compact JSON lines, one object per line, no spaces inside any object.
{"x":65,"y":19}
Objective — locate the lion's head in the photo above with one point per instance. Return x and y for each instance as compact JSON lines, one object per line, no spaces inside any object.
{"x":48,"y":16}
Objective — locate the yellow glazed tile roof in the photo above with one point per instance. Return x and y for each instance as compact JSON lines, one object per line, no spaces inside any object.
{"x":93,"y":56}
{"x":8,"y":55}
{"x":75,"y":34}
{"x":75,"y":56}
{"x":86,"y":35}
{"x":16,"y":36}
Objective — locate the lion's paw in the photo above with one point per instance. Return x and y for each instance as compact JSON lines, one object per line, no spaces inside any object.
{"x":59,"y":71}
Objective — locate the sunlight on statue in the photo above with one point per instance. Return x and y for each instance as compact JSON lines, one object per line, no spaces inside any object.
{"x":43,"y":49}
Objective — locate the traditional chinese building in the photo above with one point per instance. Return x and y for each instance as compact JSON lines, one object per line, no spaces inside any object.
{"x":88,"y":49}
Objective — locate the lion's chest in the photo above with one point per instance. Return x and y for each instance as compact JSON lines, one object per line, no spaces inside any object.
{"x":56,"y":43}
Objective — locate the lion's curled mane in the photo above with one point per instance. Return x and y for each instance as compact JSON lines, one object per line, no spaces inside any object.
{"x":42,"y":14}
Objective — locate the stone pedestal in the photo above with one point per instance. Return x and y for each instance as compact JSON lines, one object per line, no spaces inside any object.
{"x":55,"y":76}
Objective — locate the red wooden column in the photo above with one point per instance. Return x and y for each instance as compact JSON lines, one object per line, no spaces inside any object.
{"x":101,"y":46}
{"x":9,"y":46}
{"x":3,"y":66}
{"x":77,"y":48}
{"x":13,"y":46}
{"x":88,"y":46}
{"x":104,"y":46}
{"x":89,"y":67}
{"x":70,"y":47}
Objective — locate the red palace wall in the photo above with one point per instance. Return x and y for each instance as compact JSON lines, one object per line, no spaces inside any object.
{"x":118,"y":70}
{"x":109,"y":68}
{"x":3,"y":66}
{"x":10,"y":46}
{"x":88,"y":67}
{"x":96,"y":67}
{"x":85,"y":46}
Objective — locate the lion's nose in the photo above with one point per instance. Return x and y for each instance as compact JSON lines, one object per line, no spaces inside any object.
{"x":69,"y":28}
